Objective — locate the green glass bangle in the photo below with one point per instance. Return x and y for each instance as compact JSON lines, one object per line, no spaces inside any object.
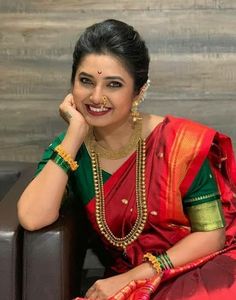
{"x":168,"y":260}
{"x":61,"y":162}
{"x":162,"y":262}
{"x":165,"y":261}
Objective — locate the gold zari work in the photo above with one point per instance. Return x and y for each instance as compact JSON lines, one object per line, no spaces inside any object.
{"x":206,"y":216}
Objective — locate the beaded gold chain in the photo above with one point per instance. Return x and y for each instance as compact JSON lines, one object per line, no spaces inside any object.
{"x":140,"y":222}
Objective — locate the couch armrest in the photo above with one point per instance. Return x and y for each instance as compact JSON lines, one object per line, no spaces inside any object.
{"x":53,"y":258}
{"x":11,"y":239}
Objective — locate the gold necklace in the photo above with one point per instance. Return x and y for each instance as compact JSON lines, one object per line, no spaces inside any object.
{"x":122,"y":152}
{"x":140,"y":222}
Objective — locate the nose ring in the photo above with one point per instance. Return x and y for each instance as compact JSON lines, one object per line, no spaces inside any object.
{"x":104,"y":101}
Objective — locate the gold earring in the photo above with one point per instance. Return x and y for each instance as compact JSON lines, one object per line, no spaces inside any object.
{"x":134,"y":110}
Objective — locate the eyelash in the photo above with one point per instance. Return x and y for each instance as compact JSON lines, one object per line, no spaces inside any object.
{"x":112,"y":84}
{"x":115,"y":84}
{"x":85,"y":80}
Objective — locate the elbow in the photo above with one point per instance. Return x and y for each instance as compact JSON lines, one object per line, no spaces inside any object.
{"x":220,"y":238}
{"x":32,"y":223}
{"x":30,"y":226}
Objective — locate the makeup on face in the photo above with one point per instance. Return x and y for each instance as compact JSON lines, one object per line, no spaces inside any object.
{"x":99,"y":76}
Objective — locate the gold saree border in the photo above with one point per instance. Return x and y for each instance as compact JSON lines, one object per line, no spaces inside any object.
{"x":186,"y":146}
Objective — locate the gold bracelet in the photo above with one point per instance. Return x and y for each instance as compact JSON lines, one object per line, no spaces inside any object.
{"x":153,"y":260}
{"x":72,"y":163}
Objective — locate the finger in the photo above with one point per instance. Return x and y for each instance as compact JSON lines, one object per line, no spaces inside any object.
{"x":90,"y":291}
{"x":68,"y":99}
{"x":72,"y":101}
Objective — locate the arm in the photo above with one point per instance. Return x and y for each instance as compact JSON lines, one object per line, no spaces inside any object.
{"x":198,"y":244}
{"x":40,"y":202}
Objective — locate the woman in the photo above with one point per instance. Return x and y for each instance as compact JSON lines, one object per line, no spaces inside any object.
{"x":157,"y":190}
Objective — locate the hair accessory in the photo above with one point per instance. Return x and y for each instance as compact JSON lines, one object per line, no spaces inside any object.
{"x":67,"y":158}
{"x":134,"y":110}
{"x":61,"y":162}
{"x":153,"y":260}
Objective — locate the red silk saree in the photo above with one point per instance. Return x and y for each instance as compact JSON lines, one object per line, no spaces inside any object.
{"x":175,"y":151}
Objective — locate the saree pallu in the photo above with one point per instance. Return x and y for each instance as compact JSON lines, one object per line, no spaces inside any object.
{"x":175,"y":151}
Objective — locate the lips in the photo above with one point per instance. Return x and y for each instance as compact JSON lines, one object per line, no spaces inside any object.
{"x":97,"y":111}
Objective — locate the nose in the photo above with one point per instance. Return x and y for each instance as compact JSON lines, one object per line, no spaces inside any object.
{"x":96,"y":95}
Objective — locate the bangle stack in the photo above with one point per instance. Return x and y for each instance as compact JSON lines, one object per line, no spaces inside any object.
{"x":160,"y":263}
{"x":164,"y":261}
{"x":64,"y":160}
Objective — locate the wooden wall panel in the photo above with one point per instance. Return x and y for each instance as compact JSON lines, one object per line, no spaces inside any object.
{"x":193,"y":63}
{"x":20,"y":6}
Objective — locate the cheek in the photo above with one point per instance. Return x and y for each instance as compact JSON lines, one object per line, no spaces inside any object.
{"x":79,"y":94}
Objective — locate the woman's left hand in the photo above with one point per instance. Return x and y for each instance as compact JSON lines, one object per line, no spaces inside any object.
{"x":105,"y":288}
{"x":102,"y":289}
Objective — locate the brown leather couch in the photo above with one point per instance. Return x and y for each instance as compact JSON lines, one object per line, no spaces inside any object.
{"x":44,"y":264}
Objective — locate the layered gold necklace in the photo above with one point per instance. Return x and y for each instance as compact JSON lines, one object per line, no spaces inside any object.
{"x":91,"y":143}
{"x":121,"y":242}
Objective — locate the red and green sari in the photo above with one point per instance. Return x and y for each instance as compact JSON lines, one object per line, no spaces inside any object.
{"x":176,"y":152}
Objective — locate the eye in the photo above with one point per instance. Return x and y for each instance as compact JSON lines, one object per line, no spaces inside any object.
{"x":115,"y":84}
{"x":85,"y":80}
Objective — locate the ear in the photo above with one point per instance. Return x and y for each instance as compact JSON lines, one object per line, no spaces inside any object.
{"x":139,"y":96}
{"x":136,"y":97}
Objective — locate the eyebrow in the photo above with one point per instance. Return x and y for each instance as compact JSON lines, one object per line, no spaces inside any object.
{"x":107,"y":78}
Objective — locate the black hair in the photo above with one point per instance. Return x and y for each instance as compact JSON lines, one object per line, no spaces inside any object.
{"x":117,"y":39}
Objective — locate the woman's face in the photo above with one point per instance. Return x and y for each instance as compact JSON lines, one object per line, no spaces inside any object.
{"x":98,"y":76}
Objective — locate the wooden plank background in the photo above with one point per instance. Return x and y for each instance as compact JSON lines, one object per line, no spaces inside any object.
{"x":193,"y":63}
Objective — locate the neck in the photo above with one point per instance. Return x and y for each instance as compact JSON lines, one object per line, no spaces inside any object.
{"x":114,"y":137}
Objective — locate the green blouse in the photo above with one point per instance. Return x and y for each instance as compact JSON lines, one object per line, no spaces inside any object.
{"x":201,"y":204}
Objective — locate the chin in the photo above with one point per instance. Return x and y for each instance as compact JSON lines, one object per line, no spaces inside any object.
{"x":97,"y":122}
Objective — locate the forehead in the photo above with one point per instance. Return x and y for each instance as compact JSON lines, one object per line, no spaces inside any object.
{"x":105,"y":63}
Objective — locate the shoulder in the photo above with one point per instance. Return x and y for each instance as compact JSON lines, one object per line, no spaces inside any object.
{"x":150,"y":122}
{"x":186,"y":126}
{"x":187,"y":140}
{"x":173,"y":125}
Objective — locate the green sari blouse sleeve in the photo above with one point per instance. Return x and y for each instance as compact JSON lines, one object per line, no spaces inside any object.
{"x":202,"y":202}
{"x":47,"y":155}
{"x":49,"y":152}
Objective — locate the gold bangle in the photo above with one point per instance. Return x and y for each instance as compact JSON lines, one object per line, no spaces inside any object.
{"x":72,"y":163}
{"x":153,"y":260}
